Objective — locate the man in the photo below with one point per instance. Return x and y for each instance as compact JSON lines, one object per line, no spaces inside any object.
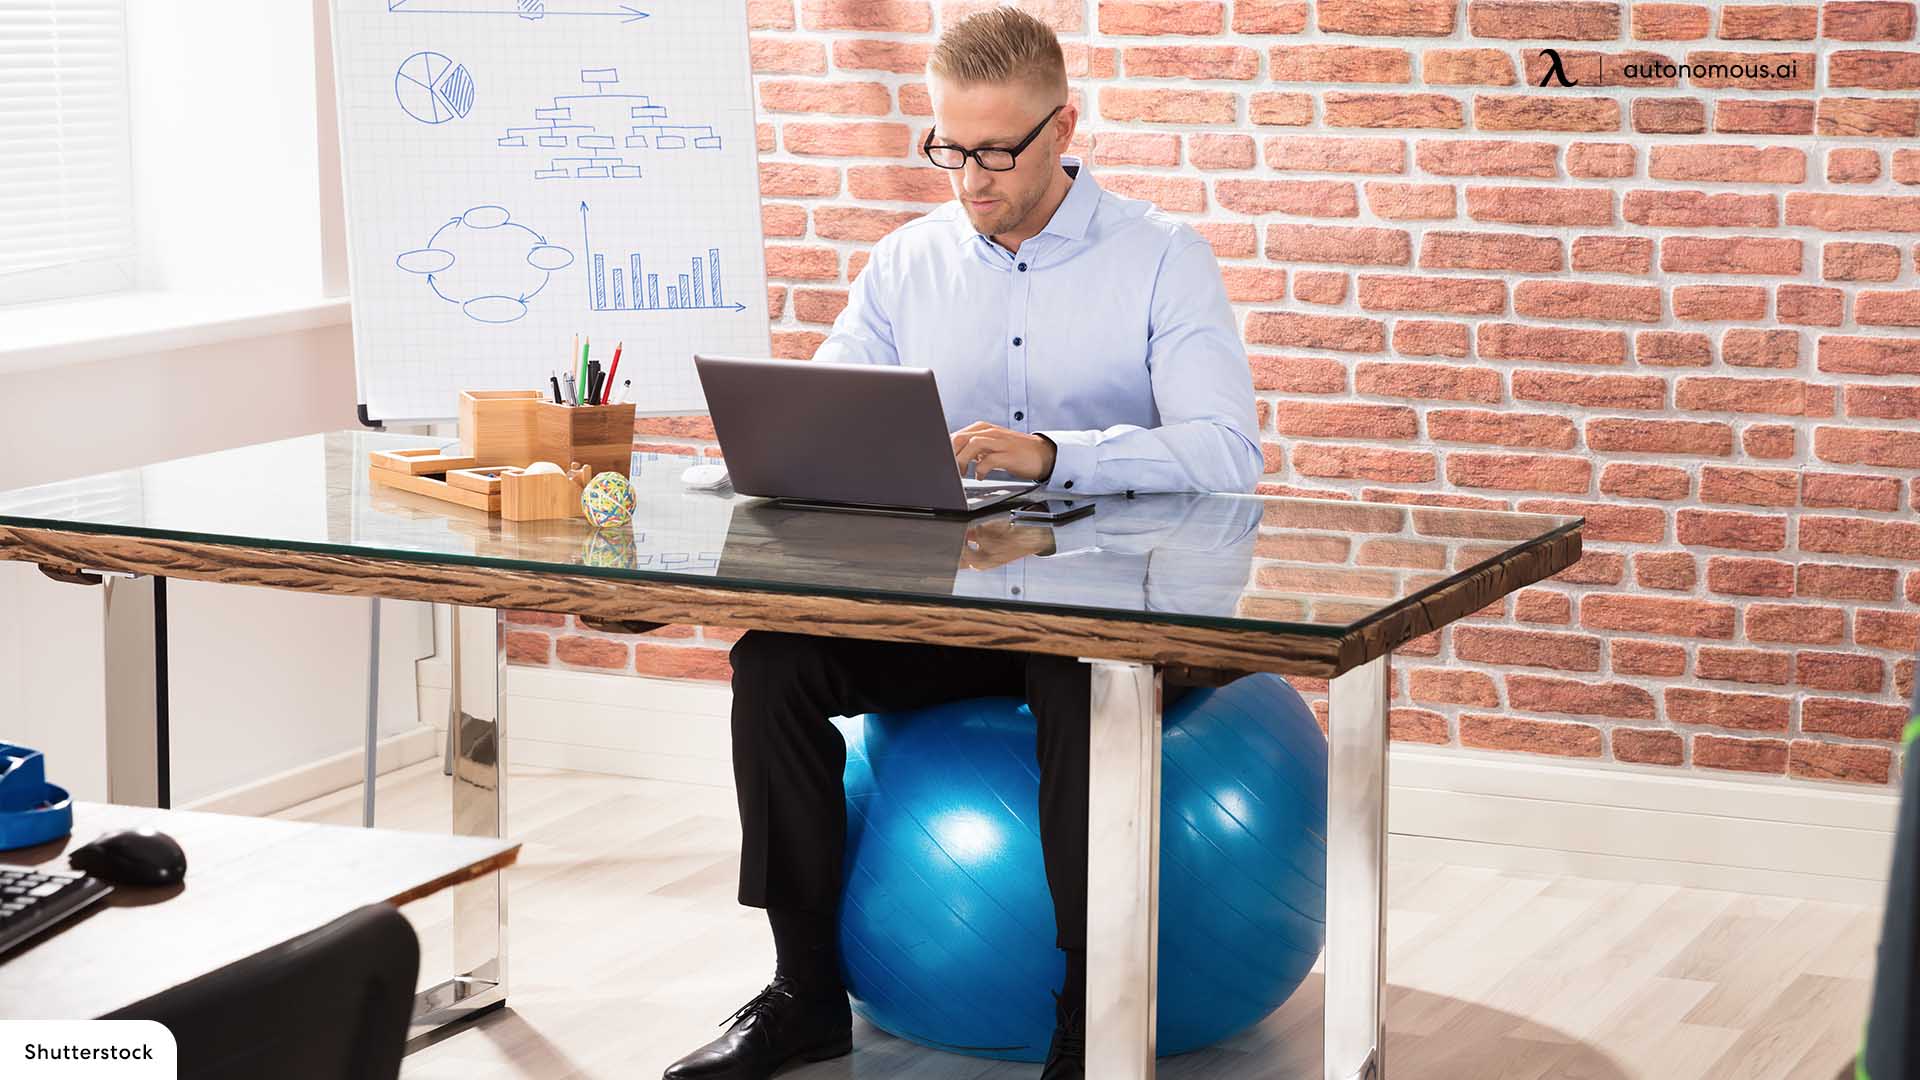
{"x":1080,"y":339}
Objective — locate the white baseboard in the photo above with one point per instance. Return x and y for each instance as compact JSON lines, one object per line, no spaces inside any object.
{"x":323,"y":777}
{"x":1810,"y":840}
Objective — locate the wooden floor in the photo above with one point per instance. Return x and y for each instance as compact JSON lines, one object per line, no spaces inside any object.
{"x":628,"y":950}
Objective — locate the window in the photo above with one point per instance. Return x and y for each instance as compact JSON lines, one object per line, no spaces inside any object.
{"x":66,"y":191}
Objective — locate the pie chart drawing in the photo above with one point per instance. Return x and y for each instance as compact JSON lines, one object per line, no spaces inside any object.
{"x":433,"y":89}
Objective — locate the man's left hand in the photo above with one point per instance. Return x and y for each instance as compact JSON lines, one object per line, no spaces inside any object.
{"x":980,"y":447}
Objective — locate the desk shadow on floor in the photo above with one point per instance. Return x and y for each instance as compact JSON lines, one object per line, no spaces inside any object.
{"x":1429,"y":1036}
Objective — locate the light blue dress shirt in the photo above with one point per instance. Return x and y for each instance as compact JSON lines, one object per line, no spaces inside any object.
{"x":1109,"y":333}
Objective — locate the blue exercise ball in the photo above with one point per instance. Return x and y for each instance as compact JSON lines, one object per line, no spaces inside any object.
{"x":946,"y":928}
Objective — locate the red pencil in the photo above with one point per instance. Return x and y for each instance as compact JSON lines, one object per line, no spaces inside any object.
{"x":606,"y":394}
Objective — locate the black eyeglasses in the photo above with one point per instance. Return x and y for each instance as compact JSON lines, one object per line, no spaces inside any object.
{"x":992,"y":158}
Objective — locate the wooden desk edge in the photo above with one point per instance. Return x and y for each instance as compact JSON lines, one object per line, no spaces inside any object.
{"x":470,"y":872}
{"x":688,"y":603}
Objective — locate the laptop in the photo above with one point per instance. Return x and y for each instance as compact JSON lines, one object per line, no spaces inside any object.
{"x":841,"y":436}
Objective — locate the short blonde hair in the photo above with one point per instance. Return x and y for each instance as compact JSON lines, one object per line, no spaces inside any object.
{"x":1001,"y":45}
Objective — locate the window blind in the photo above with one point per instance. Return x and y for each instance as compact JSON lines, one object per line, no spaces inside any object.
{"x":66,"y":196}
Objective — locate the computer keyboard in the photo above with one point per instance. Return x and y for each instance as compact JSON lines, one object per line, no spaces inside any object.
{"x":31,"y":900}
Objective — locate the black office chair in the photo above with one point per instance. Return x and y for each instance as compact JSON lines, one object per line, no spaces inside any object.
{"x":333,"y":1004}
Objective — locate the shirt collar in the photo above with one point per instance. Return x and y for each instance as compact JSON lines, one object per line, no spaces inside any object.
{"x":1069,"y":219}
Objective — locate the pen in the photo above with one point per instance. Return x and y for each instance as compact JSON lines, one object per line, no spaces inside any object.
{"x":621,"y":397}
{"x":586,"y":350}
{"x":572,"y":399}
{"x":555,"y":380}
{"x":615,"y":369}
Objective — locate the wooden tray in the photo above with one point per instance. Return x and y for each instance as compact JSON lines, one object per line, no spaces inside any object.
{"x":435,"y":487}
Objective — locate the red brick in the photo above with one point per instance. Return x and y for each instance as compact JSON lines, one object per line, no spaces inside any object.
{"x":1749,"y":487}
{"x":1876,"y":20}
{"x":1161,"y":17}
{"x":1853,"y":719}
{"x":536,"y":618}
{"x":1834,"y":582}
{"x":783,"y":219}
{"x":903,"y":57}
{"x":1761,"y":349}
{"x":1467,"y":67}
{"x":1813,"y":760}
{"x":1729,"y":529}
{"x":818,"y":305}
{"x":1607,"y":520}
{"x":1777,"y":397}
{"x":1364,"y":463}
{"x":1656,"y":658}
{"x":1884,"y":447}
{"x":858,"y":222}
{"x":1656,"y":615}
{"x":1800,"y":623}
{"x":787,"y":56}
{"x":846,"y":139}
{"x":1542,"y":606}
{"x":796,"y":345}
{"x":1343,"y":421}
{"x":899,"y":16}
{"x":1769,"y":442}
{"x":1536,"y":430}
{"x":1593,"y":391}
{"x":1417,"y":725}
{"x":1643,"y":747}
{"x":1613,"y":254}
{"x":899,"y":183}
{"x":1191,"y":62}
{"x":779,"y":178}
{"x":1276,"y":109}
{"x":1318,"y":63}
{"x":1520,"y":472}
{"x":1220,"y":151}
{"x":805,"y":263}
{"x":1849,"y":491}
{"x":1869,"y":356}
{"x":1743,"y":665}
{"x":1625,"y":436}
{"x":1269,"y":16}
{"x":1298,"y":374}
{"x":1749,"y":577}
{"x":1669,"y":570}
{"x":1257,"y":284}
{"x":1884,"y":402}
{"x":1411,"y":202}
{"x":1673,"y":348}
{"x":1860,"y":536}
{"x":1136,"y":148}
{"x":529,"y":647}
{"x":1644,"y":481}
{"x":1536,"y":693}
{"x":595,"y":652}
{"x":844,"y":98}
{"x":1527,"y":648}
{"x":1896,"y":630}
{"x":1743,"y":755}
{"x":1168,"y":106}
{"x":1549,"y":344}
{"x":1355,"y":109}
{"x":1453,"y":686}
{"x":1531,"y":736}
{"x":1715,"y":708}
{"x":1845,"y":672}
{"x":682,"y":662}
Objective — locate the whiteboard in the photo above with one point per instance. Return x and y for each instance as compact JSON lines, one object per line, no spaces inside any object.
{"x":519,"y":172}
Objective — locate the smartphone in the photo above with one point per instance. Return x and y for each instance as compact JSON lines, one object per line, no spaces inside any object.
{"x":1053,"y":511}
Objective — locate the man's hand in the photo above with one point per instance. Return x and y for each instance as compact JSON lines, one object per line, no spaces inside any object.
{"x":980,"y":447}
{"x":992,"y":544}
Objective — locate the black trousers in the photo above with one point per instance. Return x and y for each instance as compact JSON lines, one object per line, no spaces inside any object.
{"x":788,"y":759}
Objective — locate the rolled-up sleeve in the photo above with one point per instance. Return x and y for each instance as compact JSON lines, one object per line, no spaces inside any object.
{"x":1202,"y":389}
{"x":863,"y":332}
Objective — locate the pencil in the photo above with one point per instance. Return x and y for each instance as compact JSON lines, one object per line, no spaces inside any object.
{"x":611,"y":372}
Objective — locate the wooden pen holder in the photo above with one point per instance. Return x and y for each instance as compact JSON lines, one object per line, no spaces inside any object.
{"x":520,"y":427}
{"x":596,"y":435}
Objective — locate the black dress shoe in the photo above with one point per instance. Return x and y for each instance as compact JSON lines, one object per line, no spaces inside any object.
{"x":1067,"y":1056}
{"x":784,"y":1024}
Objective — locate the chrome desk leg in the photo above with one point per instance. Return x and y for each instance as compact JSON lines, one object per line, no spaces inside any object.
{"x":1123,"y":871}
{"x":479,"y":660}
{"x":1356,"y":979}
{"x":138,"y":753}
{"x":373,"y":718}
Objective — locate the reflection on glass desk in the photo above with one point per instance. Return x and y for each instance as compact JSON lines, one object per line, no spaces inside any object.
{"x":1226,"y":561}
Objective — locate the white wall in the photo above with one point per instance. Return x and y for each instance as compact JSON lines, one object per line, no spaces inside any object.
{"x":245,"y":704}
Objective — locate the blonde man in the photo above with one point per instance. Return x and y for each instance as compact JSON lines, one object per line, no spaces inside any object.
{"x":1080,"y":339}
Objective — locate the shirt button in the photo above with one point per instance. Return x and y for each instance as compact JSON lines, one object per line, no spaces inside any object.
{"x":1067,"y":484}
{"x":1023,"y":268}
{"x":1016,"y":590}
{"x":1016,"y":341}
{"x":1019,"y":415}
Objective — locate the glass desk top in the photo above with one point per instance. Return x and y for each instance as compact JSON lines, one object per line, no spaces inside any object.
{"x":1306,"y":566}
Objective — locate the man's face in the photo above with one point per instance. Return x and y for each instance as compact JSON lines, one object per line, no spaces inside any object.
{"x":979,"y":115}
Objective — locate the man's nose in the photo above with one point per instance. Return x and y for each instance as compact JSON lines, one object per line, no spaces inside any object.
{"x":974,"y":180}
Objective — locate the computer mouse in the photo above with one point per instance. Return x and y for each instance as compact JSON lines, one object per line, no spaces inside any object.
{"x":705,"y":476}
{"x":132,"y":857}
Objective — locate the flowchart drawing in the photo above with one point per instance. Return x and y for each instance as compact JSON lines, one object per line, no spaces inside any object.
{"x":433,"y":89}
{"x":598,"y":133}
{"x":529,"y":10}
{"x":628,"y":288}
{"x":487,"y":247}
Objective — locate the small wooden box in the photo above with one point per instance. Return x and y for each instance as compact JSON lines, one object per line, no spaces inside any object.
{"x":497,"y":427}
{"x":596,"y":435}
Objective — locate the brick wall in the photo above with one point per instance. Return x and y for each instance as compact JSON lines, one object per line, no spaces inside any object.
{"x":1686,"y":308}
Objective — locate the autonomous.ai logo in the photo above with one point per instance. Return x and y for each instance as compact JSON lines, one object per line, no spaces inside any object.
{"x":1556,"y":71}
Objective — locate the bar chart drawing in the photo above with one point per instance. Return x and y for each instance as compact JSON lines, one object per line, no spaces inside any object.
{"x":614,"y":287}
{"x":595,"y":136}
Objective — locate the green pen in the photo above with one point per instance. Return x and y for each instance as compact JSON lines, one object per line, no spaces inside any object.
{"x":586,"y":347}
